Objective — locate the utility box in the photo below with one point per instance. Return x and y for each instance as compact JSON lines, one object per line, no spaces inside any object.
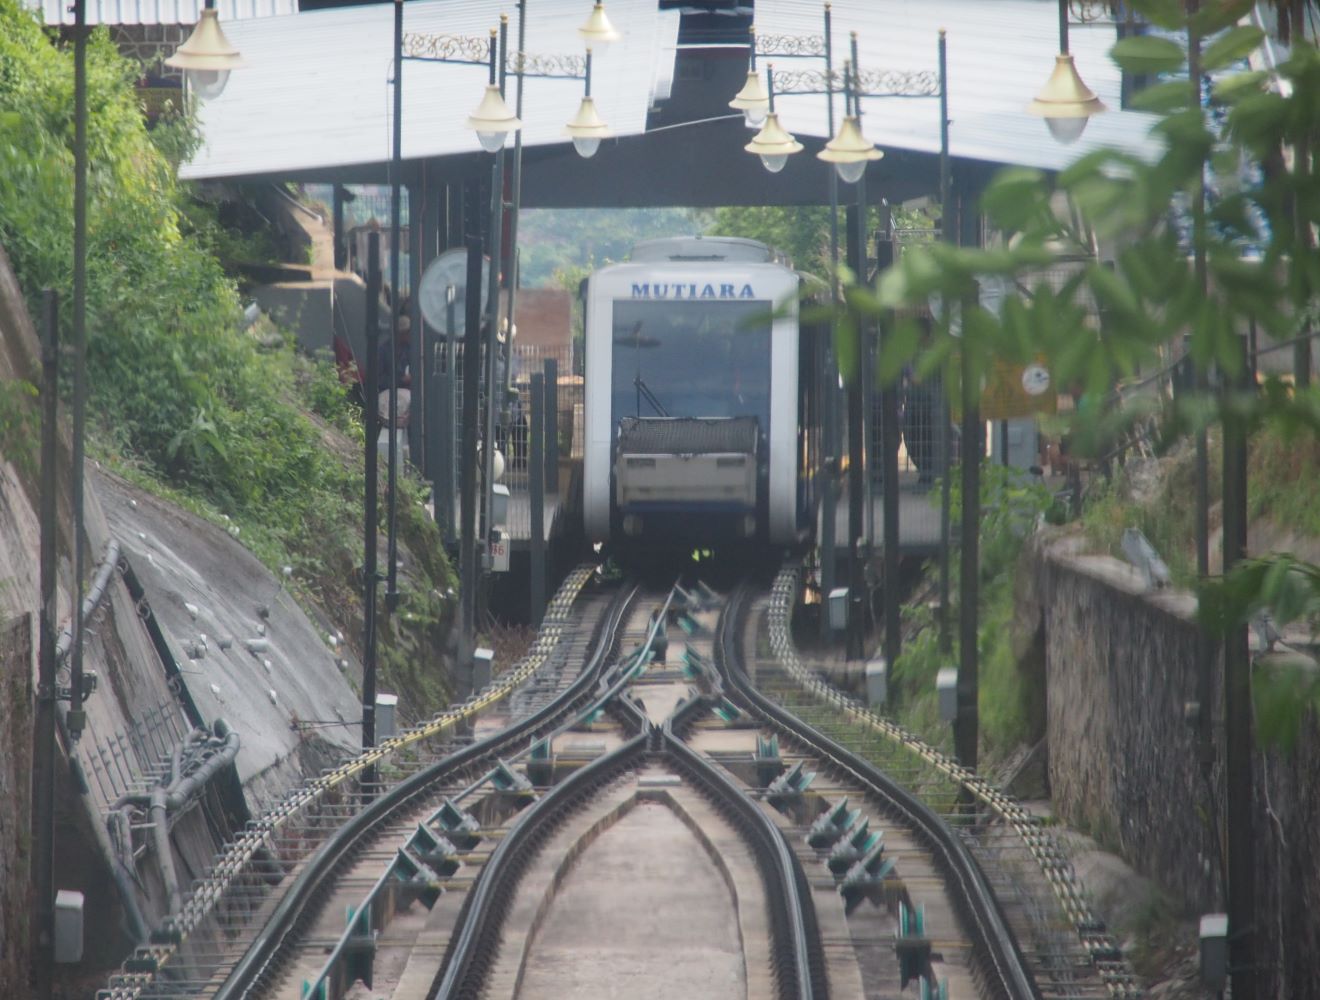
{"x":877,"y":682}
{"x":946,"y":683}
{"x":68,"y":926}
{"x":482,"y":661}
{"x":386,"y":723}
{"x":499,"y":504}
{"x":499,"y":551}
{"x":1214,"y":951}
{"x":838,"y":609}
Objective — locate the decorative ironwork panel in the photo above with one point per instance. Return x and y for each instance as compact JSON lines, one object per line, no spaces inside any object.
{"x":900,"y":83}
{"x":1092,"y":12}
{"x":449,"y":48}
{"x":552,"y":65}
{"x":796,"y":46}
{"x":874,"y":83}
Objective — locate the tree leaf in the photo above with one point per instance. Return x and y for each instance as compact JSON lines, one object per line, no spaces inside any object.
{"x":1148,"y":54}
{"x":1233,"y":45}
{"x":1162,"y":97}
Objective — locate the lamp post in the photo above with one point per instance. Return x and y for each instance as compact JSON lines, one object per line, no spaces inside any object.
{"x":392,"y":436}
{"x":849,"y":152}
{"x":1065,"y":102}
{"x":207,"y":57}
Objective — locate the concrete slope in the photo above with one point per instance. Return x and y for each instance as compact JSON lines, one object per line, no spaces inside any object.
{"x":283,"y":692}
{"x":136,"y":720}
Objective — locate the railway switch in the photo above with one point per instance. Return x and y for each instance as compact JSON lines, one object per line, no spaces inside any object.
{"x":417,"y":880}
{"x":460,"y":827}
{"x":852,"y":848}
{"x":790,"y":785}
{"x":832,"y":824}
{"x":541,"y":762}
{"x":437,"y":852}
{"x":769,"y":765}
{"x":865,"y":879}
{"x":911,"y":945}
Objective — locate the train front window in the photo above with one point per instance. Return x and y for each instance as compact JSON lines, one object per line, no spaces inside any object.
{"x":692,"y":359}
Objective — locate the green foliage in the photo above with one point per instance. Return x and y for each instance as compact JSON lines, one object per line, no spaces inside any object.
{"x":183,"y":401}
{"x":1011,"y":505}
{"x":20,"y":430}
{"x":802,"y":232}
{"x":1153,"y":303}
{"x":554,"y":240}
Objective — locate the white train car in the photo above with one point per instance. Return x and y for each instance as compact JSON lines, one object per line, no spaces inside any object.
{"x":699,"y":397}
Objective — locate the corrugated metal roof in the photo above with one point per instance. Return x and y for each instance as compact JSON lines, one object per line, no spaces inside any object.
{"x":158,"y":11}
{"x":999,"y":55}
{"x":315,"y":91}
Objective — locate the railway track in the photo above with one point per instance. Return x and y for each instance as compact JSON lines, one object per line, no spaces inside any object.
{"x":499,"y":867}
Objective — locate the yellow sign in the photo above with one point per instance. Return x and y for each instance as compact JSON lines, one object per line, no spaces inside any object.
{"x":1018,"y":391}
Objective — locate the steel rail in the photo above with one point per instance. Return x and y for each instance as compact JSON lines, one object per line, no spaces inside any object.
{"x":1106,"y":955}
{"x":283,"y":919}
{"x":987,"y":923}
{"x":244,"y":855}
{"x":800,"y":967}
{"x":482,"y":916}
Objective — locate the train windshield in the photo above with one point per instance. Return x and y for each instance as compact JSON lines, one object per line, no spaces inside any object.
{"x":692,"y":359}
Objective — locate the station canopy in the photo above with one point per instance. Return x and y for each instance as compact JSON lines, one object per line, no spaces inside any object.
{"x":131,"y":12}
{"x":314,"y":100}
{"x":999,"y":55}
{"x":315,"y":93}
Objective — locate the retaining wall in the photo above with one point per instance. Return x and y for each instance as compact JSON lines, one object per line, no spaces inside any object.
{"x":1120,"y":667}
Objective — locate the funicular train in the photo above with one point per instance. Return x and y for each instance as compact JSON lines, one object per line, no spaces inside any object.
{"x":701,"y":406}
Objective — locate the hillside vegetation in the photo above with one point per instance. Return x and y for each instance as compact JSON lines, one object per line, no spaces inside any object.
{"x":182,"y":398}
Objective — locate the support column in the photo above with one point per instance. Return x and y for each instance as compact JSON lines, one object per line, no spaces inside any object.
{"x":966,"y":726}
{"x":467,"y":565}
{"x":417,"y":347}
{"x":885,"y":252}
{"x":856,"y":452}
{"x":370,"y":578}
{"x":337,"y":211}
{"x":536,"y":494}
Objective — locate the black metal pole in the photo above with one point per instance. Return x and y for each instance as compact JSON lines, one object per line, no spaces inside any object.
{"x":467,"y":558}
{"x":76,"y":718}
{"x":536,"y":489}
{"x":515,"y":191}
{"x":440,"y":421}
{"x":337,"y":212}
{"x":856,"y":453}
{"x":866,"y":331}
{"x":1063,"y":27}
{"x":370,"y":577}
{"x":885,"y":252}
{"x":552,"y":426}
{"x":966,"y":725}
{"x":829,"y":378}
{"x":493,"y":309}
{"x":396,"y":165}
{"x":945,"y":416}
{"x":417,"y":216}
{"x":1238,"y":739}
{"x":45,"y":750}
{"x":857,"y":471}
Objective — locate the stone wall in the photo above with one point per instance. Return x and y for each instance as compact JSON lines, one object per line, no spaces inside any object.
{"x":1120,"y":667}
{"x":16,"y":638}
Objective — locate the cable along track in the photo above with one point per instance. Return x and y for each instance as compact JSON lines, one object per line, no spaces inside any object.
{"x":226,"y":913}
{"x":1071,"y":952}
{"x":857,"y":855}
